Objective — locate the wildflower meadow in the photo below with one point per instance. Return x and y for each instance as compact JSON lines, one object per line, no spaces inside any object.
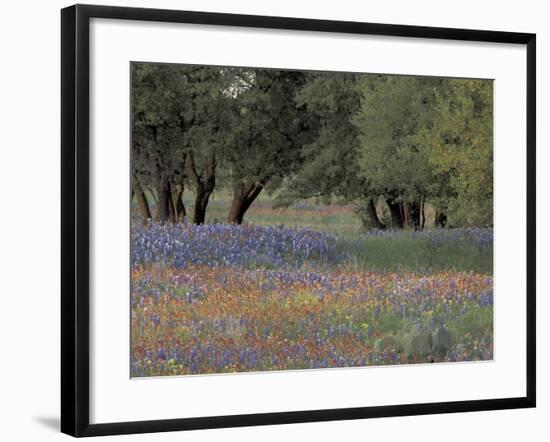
{"x":221,"y":298}
{"x":284,"y":219}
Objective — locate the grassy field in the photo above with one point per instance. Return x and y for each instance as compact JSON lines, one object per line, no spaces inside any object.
{"x":424,"y":252}
{"x":304,"y":288}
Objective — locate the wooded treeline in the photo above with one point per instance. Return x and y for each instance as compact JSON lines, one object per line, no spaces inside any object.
{"x":365,"y":139}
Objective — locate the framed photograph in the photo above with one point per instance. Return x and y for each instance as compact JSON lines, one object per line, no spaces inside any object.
{"x":272,"y":220}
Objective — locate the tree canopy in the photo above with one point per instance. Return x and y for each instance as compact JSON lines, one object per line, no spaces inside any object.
{"x":388,"y":144}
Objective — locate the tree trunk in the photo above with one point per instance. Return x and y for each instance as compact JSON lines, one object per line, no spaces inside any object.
{"x":404,"y":213}
{"x":199,"y":212}
{"x":163,"y":196}
{"x":413,"y":211}
{"x":243,"y":196}
{"x":141,"y":200}
{"x":422,"y":213}
{"x":373,"y":216}
{"x":203,"y":183}
{"x":235,"y":211}
{"x":395,"y":211}
{"x":171,"y":211}
{"x":179,"y":208}
{"x":440,"y":219}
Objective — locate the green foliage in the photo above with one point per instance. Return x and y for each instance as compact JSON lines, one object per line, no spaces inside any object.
{"x":460,"y":147}
{"x":267,"y":126}
{"x":389,"y":323}
{"x":442,"y":341}
{"x":393,"y":111}
{"x":429,"y":138}
{"x":155,"y":111}
{"x":176,"y":108}
{"x":475,"y":323}
{"x":329,"y":158}
{"x":331,"y":136}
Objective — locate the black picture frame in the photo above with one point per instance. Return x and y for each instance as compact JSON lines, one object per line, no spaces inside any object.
{"x":75,"y":224}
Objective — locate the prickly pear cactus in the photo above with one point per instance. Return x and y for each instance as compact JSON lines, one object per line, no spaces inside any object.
{"x":442,"y":342}
{"x":387,"y":343}
{"x":420,"y":343}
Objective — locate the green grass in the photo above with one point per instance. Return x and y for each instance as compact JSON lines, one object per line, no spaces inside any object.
{"x":400,"y":253}
{"x":403,"y":253}
{"x":336,"y":219}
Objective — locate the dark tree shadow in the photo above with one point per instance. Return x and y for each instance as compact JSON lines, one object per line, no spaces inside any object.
{"x":51,"y":422}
